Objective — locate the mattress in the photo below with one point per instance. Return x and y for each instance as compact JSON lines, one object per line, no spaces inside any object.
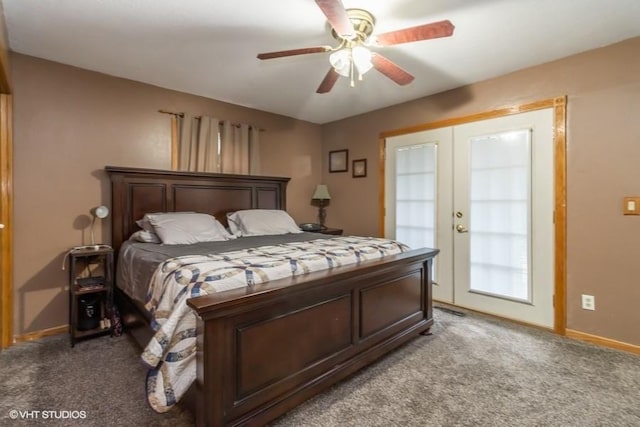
{"x":138,"y":261}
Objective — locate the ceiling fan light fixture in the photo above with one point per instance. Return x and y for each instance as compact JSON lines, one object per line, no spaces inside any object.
{"x":362,"y":59}
{"x":341,"y":61}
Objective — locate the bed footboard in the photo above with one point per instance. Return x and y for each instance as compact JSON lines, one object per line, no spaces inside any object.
{"x":264,"y":350}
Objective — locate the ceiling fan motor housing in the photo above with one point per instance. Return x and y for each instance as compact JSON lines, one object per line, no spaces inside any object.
{"x":363,"y":23}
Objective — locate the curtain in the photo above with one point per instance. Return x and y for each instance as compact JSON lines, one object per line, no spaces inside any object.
{"x":240,"y":149}
{"x":198,"y":144}
{"x":204,"y":144}
{"x":254,"y":151}
{"x":186,"y":144}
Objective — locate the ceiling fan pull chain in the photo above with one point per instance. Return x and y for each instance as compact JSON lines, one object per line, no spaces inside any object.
{"x":351,"y":70}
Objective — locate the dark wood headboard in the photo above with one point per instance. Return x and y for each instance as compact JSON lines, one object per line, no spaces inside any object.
{"x":135,"y":192}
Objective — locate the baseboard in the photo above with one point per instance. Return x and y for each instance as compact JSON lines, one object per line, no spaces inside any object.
{"x":31,"y":336}
{"x":601,"y":341}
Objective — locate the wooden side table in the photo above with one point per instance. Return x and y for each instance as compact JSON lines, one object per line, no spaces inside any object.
{"x":334,"y":231}
{"x":90,"y":291}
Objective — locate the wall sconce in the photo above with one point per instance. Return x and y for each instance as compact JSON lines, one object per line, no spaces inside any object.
{"x":99,"y":212}
{"x":321,"y":195}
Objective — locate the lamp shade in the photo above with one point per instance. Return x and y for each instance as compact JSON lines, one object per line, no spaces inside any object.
{"x":341,"y":62}
{"x":362,"y":59}
{"x":100,"y":212}
{"x":321,"y":193}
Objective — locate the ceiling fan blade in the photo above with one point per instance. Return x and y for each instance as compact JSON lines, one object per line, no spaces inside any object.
{"x":337,"y":16}
{"x":328,"y":81}
{"x":421,"y":32}
{"x":391,"y":70}
{"x":293,"y":52}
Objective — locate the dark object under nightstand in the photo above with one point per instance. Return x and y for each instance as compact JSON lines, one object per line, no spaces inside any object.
{"x":334,"y":231}
{"x":90,"y":291}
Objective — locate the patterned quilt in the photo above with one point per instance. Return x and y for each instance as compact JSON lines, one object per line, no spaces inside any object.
{"x":171,"y":353}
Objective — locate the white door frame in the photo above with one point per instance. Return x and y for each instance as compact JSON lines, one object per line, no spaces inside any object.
{"x":559,"y":141}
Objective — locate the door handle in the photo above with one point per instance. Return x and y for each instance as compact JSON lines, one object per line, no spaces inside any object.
{"x":460,"y":229}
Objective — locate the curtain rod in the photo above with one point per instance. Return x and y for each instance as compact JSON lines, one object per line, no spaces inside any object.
{"x":199,"y":117}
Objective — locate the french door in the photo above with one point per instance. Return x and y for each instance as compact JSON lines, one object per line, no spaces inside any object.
{"x":482,"y":193}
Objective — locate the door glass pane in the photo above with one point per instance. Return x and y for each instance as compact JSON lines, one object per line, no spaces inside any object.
{"x":500,"y":185}
{"x":416,"y":195}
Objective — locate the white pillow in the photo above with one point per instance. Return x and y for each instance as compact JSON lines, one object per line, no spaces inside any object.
{"x":261,"y":222}
{"x":146,"y":225}
{"x":145,"y":236}
{"x":187,"y":228}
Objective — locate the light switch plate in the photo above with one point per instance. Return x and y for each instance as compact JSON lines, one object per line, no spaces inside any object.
{"x":631,"y":206}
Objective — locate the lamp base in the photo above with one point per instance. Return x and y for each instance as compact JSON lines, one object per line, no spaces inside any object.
{"x":322,"y":216}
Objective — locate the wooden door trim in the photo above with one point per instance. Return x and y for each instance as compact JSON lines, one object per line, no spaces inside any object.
{"x":559,"y":105}
{"x":6,"y":235}
{"x":560,"y":213}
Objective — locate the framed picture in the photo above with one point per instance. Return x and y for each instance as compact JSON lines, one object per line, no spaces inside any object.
{"x":359,"y":168}
{"x":339,"y":161}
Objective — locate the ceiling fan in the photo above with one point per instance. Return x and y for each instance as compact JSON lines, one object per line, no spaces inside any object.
{"x":352,"y":28}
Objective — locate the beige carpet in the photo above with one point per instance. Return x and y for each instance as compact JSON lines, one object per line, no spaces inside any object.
{"x":473,"y":371}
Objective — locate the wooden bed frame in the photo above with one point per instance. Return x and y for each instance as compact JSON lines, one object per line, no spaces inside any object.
{"x":263,"y":350}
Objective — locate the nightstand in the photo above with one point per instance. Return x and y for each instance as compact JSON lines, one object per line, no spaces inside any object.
{"x":334,"y":231}
{"x":90,"y":291}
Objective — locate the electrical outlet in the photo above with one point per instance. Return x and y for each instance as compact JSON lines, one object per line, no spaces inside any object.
{"x":588,"y":302}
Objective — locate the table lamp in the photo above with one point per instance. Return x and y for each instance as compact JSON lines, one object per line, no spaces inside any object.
{"x":98,"y":212}
{"x":321,"y":195}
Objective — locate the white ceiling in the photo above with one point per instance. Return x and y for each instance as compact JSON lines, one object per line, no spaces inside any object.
{"x":209,"y":47}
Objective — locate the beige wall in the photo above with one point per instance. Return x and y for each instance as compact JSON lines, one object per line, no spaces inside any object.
{"x":603,"y":89}
{"x":70,"y":123}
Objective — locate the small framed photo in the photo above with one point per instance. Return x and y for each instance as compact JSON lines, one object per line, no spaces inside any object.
{"x":359,"y":168}
{"x":339,"y":161}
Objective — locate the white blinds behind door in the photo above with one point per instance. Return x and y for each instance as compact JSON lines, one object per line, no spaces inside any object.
{"x":500,"y":188}
{"x":416,"y":195}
